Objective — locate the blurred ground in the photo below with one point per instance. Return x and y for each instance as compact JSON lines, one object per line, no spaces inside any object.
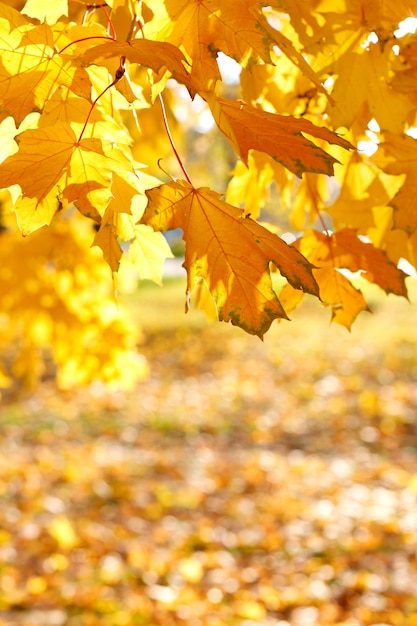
{"x":243,"y":483}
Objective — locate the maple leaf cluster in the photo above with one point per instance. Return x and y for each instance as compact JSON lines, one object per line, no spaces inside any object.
{"x":84,"y":91}
{"x":65,"y":323}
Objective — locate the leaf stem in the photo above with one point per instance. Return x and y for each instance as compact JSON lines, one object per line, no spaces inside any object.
{"x":171,"y":140}
{"x":119,"y":74}
{"x":85,"y":39}
{"x":316,"y":208}
{"x":103,"y":7}
{"x":330,"y":241}
{"x":137,"y":25}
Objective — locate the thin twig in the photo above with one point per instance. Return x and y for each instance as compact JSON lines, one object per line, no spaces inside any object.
{"x":171,"y":141}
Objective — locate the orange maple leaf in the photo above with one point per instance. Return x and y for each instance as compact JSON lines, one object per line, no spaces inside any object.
{"x":152,"y":54}
{"x":336,"y":291}
{"x":280,"y":136}
{"x":353,"y":253}
{"x":230,"y":252}
{"x":344,"y":250}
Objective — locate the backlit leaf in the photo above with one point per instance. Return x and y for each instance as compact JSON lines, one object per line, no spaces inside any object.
{"x":43,"y":157}
{"x":235,"y":27}
{"x":32,"y":214}
{"x":106,"y":239}
{"x":202,"y":28}
{"x":354,"y":254}
{"x":31,"y":71}
{"x":230,"y":253}
{"x":344,"y":250}
{"x":399,"y":156}
{"x":50,"y":155}
{"x":152,"y":54}
{"x":363,"y":188}
{"x":282,"y":137}
{"x":89,"y":178}
{"x":250,"y":184}
{"x":336,"y":291}
{"x":287,"y":47}
{"x":360,"y":81}
{"x":14,"y":18}
{"x":148,"y":251}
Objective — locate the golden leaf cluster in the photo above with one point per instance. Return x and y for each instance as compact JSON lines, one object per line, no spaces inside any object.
{"x":323,"y":108}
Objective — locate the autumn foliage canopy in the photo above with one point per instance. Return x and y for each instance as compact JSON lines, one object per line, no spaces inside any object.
{"x":324,"y":111}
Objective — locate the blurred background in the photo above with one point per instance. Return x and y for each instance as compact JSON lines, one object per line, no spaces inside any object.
{"x":239,"y":482}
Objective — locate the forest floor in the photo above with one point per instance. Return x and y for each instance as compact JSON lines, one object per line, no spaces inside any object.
{"x":242,"y":483}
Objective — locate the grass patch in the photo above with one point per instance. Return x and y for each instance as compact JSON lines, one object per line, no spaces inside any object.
{"x":162,"y":309}
{"x":157,"y":307}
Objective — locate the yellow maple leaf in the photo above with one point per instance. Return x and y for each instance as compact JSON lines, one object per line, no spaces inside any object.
{"x":12,"y":16}
{"x":89,"y":177}
{"x":230,"y":253}
{"x":249,"y":185}
{"x":203,"y":28}
{"x":303,"y":18}
{"x":280,"y":136}
{"x":336,"y":291}
{"x":366,"y":14}
{"x":123,"y":190}
{"x":398,"y":155}
{"x":148,"y":251}
{"x":65,"y":107}
{"x":363,"y":77}
{"x":51,"y":160}
{"x":275,"y":85}
{"x":44,"y":155}
{"x":239,"y":28}
{"x":106,"y":239}
{"x":363,"y":188}
{"x":31,"y":70}
{"x":304,"y":200}
{"x":152,"y":54}
{"x":287,"y":47}
{"x":32,"y":213}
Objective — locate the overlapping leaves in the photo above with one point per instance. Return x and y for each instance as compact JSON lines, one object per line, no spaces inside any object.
{"x":344,"y":250}
{"x":231,"y":253}
{"x":282,"y":137}
{"x":66,"y":81}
